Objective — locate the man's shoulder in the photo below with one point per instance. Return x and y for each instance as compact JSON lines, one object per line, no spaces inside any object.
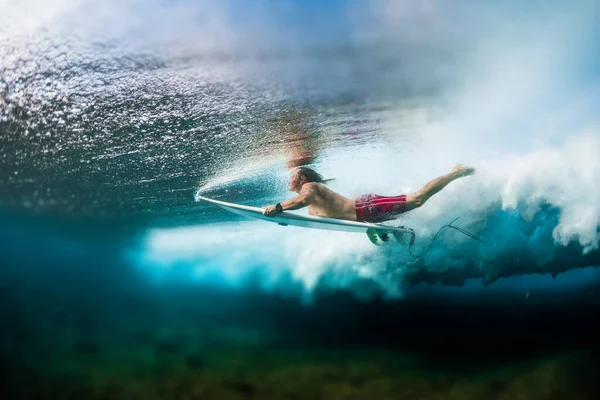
{"x":311,"y":186}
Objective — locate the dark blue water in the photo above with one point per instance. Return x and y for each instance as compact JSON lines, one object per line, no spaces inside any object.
{"x":116,"y":283}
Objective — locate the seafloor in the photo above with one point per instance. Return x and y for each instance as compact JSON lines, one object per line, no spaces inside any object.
{"x":199,"y":343}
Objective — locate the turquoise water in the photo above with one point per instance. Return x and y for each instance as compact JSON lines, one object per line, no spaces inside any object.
{"x":115,"y":282}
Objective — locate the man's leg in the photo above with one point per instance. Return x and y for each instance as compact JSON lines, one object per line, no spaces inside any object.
{"x":417,"y":199}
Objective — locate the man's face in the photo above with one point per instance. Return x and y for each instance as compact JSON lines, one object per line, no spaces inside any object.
{"x":296,"y":181}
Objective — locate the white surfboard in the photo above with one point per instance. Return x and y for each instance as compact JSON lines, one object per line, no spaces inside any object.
{"x":376,"y":233}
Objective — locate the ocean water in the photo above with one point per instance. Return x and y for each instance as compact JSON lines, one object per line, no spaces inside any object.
{"x":117,"y":282}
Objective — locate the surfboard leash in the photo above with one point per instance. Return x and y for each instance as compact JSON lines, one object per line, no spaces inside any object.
{"x":461,"y":230}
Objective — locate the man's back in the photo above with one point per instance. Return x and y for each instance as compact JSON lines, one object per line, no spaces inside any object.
{"x":327,"y":203}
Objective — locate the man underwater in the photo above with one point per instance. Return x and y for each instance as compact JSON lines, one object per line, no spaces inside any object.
{"x":324,"y":202}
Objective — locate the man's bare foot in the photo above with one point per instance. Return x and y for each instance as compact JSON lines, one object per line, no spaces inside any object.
{"x":461,"y":170}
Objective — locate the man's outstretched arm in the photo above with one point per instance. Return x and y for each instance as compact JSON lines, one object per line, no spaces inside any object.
{"x":306,"y":196}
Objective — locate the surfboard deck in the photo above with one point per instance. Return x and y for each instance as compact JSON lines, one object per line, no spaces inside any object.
{"x":292,"y":219}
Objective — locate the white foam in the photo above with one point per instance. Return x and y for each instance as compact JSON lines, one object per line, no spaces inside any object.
{"x":236,"y":250}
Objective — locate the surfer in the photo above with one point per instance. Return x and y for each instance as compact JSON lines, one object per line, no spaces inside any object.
{"x":324,"y":202}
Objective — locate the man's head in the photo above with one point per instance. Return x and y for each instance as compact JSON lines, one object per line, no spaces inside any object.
{"x":302,"y":175}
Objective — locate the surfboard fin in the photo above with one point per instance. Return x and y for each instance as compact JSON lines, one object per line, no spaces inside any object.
{"x":372,"y":235}
{"x":406,"y":237}
{"x":377,"y":238}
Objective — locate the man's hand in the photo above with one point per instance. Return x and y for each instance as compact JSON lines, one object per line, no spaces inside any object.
{"x":270,"y":211}
{"x":306,"y":196}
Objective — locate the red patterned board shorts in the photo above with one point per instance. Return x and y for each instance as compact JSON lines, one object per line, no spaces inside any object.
{"x":375,"y":208}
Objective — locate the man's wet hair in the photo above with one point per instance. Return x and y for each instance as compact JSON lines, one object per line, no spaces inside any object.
{"x":312,"y":176}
